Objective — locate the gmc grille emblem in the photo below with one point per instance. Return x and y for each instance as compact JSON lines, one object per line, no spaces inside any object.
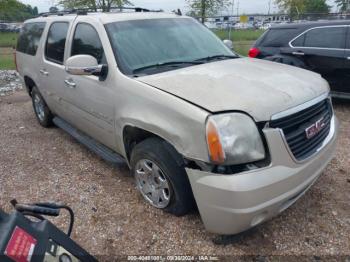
{"x":315,"y":128}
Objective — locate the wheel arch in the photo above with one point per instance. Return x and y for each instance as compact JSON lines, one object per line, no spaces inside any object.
{"x":29,"y":84}
{"x":133,"y":135}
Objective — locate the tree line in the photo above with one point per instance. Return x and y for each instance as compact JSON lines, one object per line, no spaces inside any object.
{"x":207,"y":8}
{"x":104,"y":5}
{"x":15,"y":11}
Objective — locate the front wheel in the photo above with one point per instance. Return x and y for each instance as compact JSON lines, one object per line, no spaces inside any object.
{"x":160,"y":178}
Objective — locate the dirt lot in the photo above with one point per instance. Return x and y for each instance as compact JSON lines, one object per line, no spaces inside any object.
{"x":112,"y":219}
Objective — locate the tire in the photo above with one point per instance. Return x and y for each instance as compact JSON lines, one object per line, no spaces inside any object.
{"x":41,"y":110}
{"x":165,"y":162}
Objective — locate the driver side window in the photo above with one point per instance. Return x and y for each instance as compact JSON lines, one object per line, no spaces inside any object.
{"x":87,"y":42}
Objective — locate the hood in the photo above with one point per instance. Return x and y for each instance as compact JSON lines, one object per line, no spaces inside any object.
{"x":257,"y":87}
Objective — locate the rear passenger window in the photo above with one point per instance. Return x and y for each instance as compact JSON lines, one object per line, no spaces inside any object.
{"x":328,"y":37}
{"x":278,"y":37}
{"x":56,"y":41}
{"x":87,"y":42}
{"x":29,"y":38}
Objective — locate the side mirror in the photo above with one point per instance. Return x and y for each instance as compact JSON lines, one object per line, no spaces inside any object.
{"x":228,"y":43}
{"x":84,"y":65}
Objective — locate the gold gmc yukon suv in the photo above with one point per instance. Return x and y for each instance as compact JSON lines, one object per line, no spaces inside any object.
{"x":242,"y":139}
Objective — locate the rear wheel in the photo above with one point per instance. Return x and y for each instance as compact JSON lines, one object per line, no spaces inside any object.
{"x":41,"y":110}
{"x":161,"y":177}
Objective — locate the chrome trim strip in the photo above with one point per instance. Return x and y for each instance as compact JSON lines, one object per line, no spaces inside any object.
{"x":320,"y":48}
{"x":299,"y":108}
{"x":324,"y":143}
{"x":340,"y":95}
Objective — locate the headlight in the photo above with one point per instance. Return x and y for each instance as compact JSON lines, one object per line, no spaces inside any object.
{"x":233,"y":139}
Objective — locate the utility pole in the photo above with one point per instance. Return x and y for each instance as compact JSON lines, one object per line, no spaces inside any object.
{"x":203,"y":9}
{"x":237,"y":8}
{"x":298,"y":12}
{"x":269,"y":7}
{"x":230,"y":25}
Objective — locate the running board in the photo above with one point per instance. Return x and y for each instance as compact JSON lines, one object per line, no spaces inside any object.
{"x":96,"y":147}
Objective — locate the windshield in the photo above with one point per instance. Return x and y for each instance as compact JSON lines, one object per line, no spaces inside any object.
{"x":156,"y":45}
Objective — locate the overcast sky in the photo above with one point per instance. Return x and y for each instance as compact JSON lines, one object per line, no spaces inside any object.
{"x":245,"y":6}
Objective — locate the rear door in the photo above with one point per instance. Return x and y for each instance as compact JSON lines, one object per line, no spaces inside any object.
{"x":322,"y":50}
{"x":346,"y":85}
{"x":52,"y":70}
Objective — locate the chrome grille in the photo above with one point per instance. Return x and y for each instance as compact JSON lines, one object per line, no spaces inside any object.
{"x":294,"y":129}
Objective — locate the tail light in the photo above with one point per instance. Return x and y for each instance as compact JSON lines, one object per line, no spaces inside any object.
{"x":254,"y":52}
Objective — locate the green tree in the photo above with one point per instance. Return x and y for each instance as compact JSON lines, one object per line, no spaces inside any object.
{"x":344,"y":5}
{"x":317,"y":6}
{"x":15,"y":11}
{"x":206,"y":8}
{"x":296,"y":7}
{"x":35,"y":11}
{"x":104,"y":5}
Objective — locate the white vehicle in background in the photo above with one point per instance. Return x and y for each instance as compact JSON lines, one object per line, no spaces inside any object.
{"x":265,"y":26}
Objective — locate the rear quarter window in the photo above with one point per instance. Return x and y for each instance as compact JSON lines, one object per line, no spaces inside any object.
{"x":327,"y":37}
{"x":278,"y":37}
{"x":29,"y":38}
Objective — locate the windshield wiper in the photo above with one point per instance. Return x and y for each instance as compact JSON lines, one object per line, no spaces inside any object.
{"x":216,"y":57}
{"x":171,"y":63}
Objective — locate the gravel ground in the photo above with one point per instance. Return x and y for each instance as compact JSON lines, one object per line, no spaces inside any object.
{"x":9,"y":82}
{"x":112,"y":219}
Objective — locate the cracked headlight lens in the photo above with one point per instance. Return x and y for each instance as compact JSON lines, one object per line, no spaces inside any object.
{"x":233,"y":139}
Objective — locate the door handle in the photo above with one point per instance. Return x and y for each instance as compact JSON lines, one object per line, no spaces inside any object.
{"x":70,"y":83}
{"x":298,"y":53}
{"x":44,"y":72}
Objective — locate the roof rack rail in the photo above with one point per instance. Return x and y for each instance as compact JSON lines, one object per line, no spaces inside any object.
{"x":85,"y":11}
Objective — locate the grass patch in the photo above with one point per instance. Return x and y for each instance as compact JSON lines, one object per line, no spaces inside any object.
{"x":6,"y":59}
{"x":7,"y":62}
{"x":239,"y":35}
{"x":242,"y":39}
{"x":242,"y":47}
{"x":8,"y":39}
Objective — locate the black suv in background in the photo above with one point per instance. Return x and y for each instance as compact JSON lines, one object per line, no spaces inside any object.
{"x":322,"y":47}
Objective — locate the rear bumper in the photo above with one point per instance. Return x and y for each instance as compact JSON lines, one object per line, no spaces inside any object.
{"x":230,"y":204}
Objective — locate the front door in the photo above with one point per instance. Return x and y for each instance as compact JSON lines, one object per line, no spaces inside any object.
{"x":92,"y":97}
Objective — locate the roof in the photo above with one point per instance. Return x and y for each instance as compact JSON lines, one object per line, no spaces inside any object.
{"x":313,"y":24}
{"x":111,"y":17}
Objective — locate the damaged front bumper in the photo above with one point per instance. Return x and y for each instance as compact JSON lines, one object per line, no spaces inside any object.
{"x":230,"y":204}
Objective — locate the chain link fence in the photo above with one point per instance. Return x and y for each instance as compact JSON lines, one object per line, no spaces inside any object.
{"x":243,"y":30}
